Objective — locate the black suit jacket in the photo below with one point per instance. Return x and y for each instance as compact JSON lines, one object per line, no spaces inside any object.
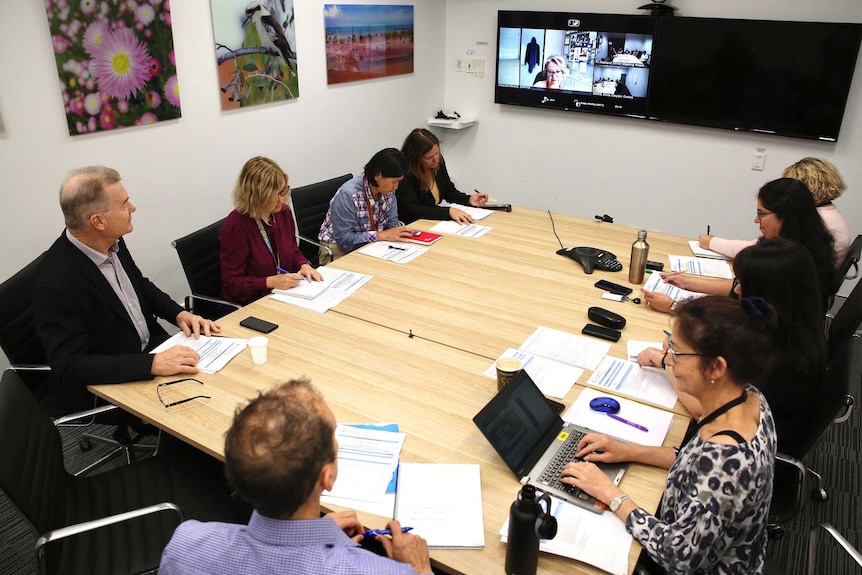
{"x":416,"y":203}
{"x":87,"y":334}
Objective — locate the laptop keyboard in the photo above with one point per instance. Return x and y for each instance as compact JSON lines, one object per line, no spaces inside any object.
{"x":551,"y":475}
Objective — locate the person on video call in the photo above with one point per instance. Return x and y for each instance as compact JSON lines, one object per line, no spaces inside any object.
{"x":427,"y":183}
{"x":556,"y":71}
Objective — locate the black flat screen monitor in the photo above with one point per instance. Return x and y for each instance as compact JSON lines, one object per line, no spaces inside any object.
{"x":776,"y":77}
{"x":597,"y":63}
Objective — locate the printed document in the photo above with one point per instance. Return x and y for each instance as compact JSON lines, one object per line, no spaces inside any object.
{"x":342,"y":284}
{"x":552,"y":377}
{"x":656,"y":421}
{"x":575,"y":350}
{"x":366,"y":460}
{"x":599,"y":539}
{"x":467,"y":230}
{"x":701,"y":266}
{"x":647,"y":384}
{"x":478,"y":214}
{"x":442,"y":502}
{"x":658,"y":285}
{"x":398,"y":252}
{"x":214,"y":352}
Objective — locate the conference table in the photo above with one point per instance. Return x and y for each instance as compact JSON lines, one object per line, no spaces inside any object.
{"x":410,"y":347}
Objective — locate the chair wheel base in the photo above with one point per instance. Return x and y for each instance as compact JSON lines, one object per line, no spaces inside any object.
{"x":774,"y":532}
{"x":84,"y":444}
{"x":820,"y":495}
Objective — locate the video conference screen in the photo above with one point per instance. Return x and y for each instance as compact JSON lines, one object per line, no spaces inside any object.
{"x":591,"y":62}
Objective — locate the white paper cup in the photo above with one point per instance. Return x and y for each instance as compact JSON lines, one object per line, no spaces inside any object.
{"x":257,"y":345}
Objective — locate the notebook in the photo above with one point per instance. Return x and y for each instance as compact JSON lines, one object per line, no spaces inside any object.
{"x":422,"y":238}
{"x":535,"y":442}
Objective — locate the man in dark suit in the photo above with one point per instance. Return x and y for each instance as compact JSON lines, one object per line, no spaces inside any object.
{"x":95,"y":312}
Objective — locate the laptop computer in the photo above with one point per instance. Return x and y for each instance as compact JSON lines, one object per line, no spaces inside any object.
{"x":535,"y":442}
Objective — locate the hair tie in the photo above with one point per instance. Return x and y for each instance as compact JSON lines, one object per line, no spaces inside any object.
{"x":755,"y":305}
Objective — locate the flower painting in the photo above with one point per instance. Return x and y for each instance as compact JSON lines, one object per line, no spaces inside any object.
{"x":116,"y":62}
{"x":255,"y":48}
{"x":366,"y":41}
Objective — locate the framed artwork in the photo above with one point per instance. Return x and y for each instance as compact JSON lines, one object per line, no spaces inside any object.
{"x":367,"y":41}
{"x":255,"y":51}
{"x":116,"y":63}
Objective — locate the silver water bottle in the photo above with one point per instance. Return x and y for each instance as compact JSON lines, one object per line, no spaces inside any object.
{"x":640,"y":252}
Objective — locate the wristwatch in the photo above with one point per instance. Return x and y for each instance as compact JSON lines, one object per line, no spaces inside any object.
{"x":617,"y":501}
{"x":673,"y":306}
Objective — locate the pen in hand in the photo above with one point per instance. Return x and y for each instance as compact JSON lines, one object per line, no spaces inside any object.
{"x":281,"y":270}
{"x":376,"y":532}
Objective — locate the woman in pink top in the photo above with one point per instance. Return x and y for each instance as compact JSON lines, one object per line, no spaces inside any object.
{"x":824,"y":182}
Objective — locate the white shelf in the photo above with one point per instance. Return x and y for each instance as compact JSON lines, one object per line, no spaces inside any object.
{"x":458,"y":124}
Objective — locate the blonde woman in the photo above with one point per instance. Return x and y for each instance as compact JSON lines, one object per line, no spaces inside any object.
{"x":556,"y":71}
{"x":258,"y":239}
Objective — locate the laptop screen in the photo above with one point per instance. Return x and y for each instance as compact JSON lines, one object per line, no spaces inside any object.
{"x":516,"y":420}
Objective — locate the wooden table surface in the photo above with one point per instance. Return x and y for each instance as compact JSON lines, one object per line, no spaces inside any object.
{"x":465,"y":301}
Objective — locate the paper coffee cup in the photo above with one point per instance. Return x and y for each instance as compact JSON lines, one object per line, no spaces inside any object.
{"x":257,"y":345}
{"x":507,"y":368}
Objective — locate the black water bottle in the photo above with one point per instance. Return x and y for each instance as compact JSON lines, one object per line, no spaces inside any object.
{"x":528,"y":523}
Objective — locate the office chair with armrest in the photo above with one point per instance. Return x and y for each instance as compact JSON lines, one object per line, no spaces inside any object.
{"x":845,"y":322}
{"x":814,"y":544}
{"x":794,"y":483}
{"x":20,"y":341}
{"x":309,"y":205}
{"x":851,"y":260}
{"x":199,"y":256}
{"x":114,"y":522}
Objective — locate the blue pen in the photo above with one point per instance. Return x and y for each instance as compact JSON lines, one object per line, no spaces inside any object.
{"x":376,"y":532}
{"x":281,"y":270}
{"x":632,"y":423}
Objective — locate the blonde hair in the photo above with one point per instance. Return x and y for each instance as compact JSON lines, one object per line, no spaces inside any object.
{"x":559,"y":61}
{"x":820,"y":176}
{"x":259,"y":180}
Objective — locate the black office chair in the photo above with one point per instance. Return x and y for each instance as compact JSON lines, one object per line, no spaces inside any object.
{"x":844,"y":322}
{"x":309,"y":205}
{"x":794,"y":482}
{"x":114,"y":522}
{"x":20,"y":341}
{"x":851,"y":260}
{"x":199,"y":256}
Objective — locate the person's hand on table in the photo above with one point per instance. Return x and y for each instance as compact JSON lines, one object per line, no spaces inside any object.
{"x":309,"y":273}
{"x":478,"y":199}
{"x":406,"y":548}
{"x":283,"y":281}
{"x":657,"y":301}
{"x":348,"y":522}
{"x":704,"y":240}
{"x":460,"y":216}
{"x":178,"y":359}
{"x":195,"y":324}
{"x":397,"y":234}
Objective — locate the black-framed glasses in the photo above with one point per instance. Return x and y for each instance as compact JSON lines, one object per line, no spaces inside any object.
{"x":173,"y":403}
{"x":760,"y":213}
{"x":284,"y":191}
{"x":676,"y":354}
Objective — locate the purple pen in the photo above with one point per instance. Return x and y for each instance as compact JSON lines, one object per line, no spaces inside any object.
{"x":626,"y":421}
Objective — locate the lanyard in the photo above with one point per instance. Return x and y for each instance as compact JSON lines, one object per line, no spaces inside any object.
{"x":266,"y":241}
{"x":367,"y":192}
{"x":723,"y":409}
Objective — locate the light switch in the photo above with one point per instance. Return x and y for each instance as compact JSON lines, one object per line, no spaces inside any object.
{"x":759,"y":159}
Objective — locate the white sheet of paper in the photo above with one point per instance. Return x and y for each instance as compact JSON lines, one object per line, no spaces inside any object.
{"x":478,"y":214}
{"x":635,"y":346}
{"x":599,"y":539}
{"x":658,"y":285}
{"x":214,"y":352}
{"x":566,"y":347}
{"x":398,"y":252}
{"x":627,"y":378}
{"x":343,"y":284}
{"x":366,"y":460}
{"x":657,"y":421}
{"x":311,"y":289}
{"x":442,"y":502}
{"x":553,"y":378}
{"x":705,"y":253}
{"x":701,"y":266}
{"x":466,"y":230}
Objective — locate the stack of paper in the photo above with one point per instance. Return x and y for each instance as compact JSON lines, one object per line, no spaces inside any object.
{"x":398,"y":252}
{"x":337,"y":286}
{"x":214,"y":352}
{"x":566,"y":347}
{"x":647,"y":384}
{"x":705,"y":253}
{"x":478,"y":214}
{"x":701,"y":266}
{"x":367,"y":459}
{"x":442,"y":503}
{"x":553,"y":378}
{"x":464,"y":230}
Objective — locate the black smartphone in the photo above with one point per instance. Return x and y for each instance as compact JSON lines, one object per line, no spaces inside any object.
{"x":602,"y":332}
{"x":258,"y":324}
{"x":613,"y":288}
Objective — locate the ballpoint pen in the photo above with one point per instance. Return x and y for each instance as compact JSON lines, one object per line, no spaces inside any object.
{"x":707,"y":229}
{"x":626,"y":421}
{"x":397,"y":248}
{"x":281,"y":270}
{"x":376,"y":532}
{"x":674,"y":274}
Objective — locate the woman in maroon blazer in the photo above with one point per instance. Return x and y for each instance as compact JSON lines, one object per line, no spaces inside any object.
{"x":259,"y":251}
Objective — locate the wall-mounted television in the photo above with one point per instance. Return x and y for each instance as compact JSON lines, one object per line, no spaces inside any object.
{"x":572,"y":61}
{"x":775,"y":77}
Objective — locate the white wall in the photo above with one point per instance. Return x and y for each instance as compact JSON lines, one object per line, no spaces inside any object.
{"x":180,"y":174}
{"x":659,"y":176}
